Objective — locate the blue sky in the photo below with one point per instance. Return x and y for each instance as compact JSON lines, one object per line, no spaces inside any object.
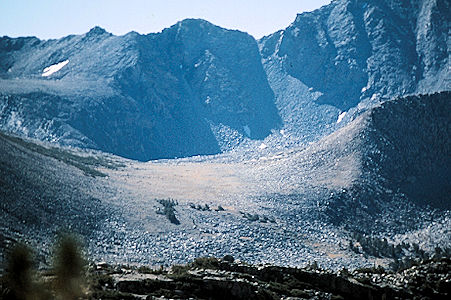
{"x":56,"y":18}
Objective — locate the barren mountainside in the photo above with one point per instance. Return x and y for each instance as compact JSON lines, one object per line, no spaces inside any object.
{"x":352,"y":54}
{"x":325,"y":143}
{"x":161,"y":95}
{"x":196,"y":88}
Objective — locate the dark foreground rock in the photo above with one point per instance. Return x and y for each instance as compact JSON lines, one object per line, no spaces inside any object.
{"x":209,"y":278}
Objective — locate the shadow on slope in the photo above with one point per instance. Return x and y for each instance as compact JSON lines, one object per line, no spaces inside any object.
{"x":405,"y":161}
{"x":352,"y":50}
{"x":385,"y":170}
{"x":45,"y":189}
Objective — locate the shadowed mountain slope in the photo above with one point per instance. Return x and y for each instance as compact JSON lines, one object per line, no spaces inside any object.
{"x":390,"y":159}
{"x":328,"y":136}
{"x":194,"y":88}
{"x":45,"y":189}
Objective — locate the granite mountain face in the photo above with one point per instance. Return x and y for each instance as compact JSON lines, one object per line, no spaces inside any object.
{"x":177,"y":93}
{"x":351,"y":54}
{"x":196,"y":88}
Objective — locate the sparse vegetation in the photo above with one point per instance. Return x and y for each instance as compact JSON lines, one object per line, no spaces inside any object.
{"x":204,"y":207}
{"x":178,"y":271}
{"x":19,"y":281}
{"x":403,"y":263}
{"x":257,"y":217}
{"x":212,"y":278}
{"x":149,"y":270}
{"x":404,"y":254}
{"x":69,"y":268}
{"x":380,"y":247}
{"x":205,"y":263}
{"x":64,"y":281}
{"x":168,"y":210}
{"x":228,"y":258}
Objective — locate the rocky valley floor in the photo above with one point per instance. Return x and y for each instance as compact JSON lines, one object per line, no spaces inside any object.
{"x":329,"y":202}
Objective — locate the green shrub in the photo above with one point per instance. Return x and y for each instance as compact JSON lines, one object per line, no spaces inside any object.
{"x":205,"y":263}
{"x":178,"y":271}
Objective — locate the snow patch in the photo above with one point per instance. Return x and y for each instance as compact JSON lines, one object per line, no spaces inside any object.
{"x":247,"y":130}
{"x":341,"y":116}
{"x":262,"y":146}
{"x":54,"y":68}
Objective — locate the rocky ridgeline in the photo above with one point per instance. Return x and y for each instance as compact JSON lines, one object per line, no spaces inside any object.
{"x":210,"y":278}
{"x":349,"y":55}
{"x":196,"y":88}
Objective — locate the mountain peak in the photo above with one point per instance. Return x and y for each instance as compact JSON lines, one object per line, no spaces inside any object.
{"x":97,"y":30}
{"x":194,"y":21}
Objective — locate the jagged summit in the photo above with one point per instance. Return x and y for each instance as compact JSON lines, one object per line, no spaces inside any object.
{"x":195,"y":22}
{"x":96,"y":30}
{"x":203,"y":24}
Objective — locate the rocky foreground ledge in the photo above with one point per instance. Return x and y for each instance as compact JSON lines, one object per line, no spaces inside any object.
{"x":211,"y":278}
